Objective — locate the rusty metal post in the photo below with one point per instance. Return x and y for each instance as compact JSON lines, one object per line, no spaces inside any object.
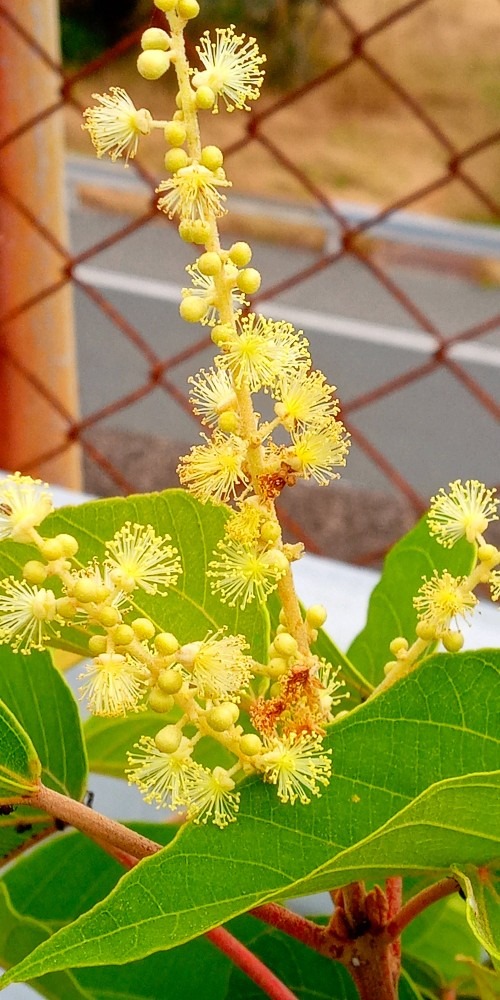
{"x":38,"y":377}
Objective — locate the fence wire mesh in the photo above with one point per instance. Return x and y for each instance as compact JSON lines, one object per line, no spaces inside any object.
{"x":378,"y":268}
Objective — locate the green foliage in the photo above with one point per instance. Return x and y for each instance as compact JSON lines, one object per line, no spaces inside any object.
{"x":391,"y":612}
{"x":190,"y":609}
{"x":42,"y":703}
{"x":415,"y":790}
{"x":19,"y":764}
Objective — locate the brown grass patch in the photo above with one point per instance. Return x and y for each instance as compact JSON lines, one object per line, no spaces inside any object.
{"x":354,"y":137}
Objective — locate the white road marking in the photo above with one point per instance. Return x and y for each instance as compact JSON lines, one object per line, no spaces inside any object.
{"x":308,"y":319}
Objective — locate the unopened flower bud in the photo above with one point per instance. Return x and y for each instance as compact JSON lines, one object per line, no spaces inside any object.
{"x":85,"y":591}
{"x":249,"y":280}
{"x":250,"y":744}
{"x":175,"y":133}
{"x":170,"y":681}
{"x":205,"y":98}
{"x":277,"y":666}
{"x":209,"y":263}
{"x":97,"y":644}
{"x":155,"y":38}
{"x":187,"y":9}
{"x":193,"y":308}
{"x":160,"y":702}
{"x":107,"y":616}
{"x":143,"y":628}
{"x":166,"y":643}
{"x":229,"y":422}
{"x":123,"y":635}
{"x":240,"y":253}
{"x":168,"y":739}
{"x":222,"y":717}
{"x":398,"y":645}
{"x":34,"y":571}
{"x":452,"y":641}
{"x":153,"y":63}
{"x":212,"y":157}
{"x":286,"y":644}
{"x":176,"y":159}
{"x":425,"y":631}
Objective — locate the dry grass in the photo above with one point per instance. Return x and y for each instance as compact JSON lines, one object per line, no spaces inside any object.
{"x":353,"y":136}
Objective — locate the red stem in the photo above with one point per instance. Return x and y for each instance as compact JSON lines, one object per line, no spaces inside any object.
{"x":250,"y":964}
{"x":291,"y":923}
{"x":229,"y":945}
{"x":394,"y":894}
{"x":417,"y":904}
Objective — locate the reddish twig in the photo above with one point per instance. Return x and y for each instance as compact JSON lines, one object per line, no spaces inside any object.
{"x":92,"y":823}
{"x":417,"y":904}
{"x":250,"y":964}
{"x":290,"y":923}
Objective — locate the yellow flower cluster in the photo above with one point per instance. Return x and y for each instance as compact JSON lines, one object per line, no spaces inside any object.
{"x":200,"y":684}
{"x":462,"y":512}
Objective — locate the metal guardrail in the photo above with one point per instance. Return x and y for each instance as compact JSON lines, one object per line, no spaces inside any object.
{"x":412,"y":228}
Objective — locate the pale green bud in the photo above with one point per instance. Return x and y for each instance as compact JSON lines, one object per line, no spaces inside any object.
{"x":153,"y":63}
{"x":316,"y":615}
{"x":209,"y":263}
{"x":250,"y":744}
{"x":229,"y":422}
{"x":187,"y":9}
{"x":168,"y":739}
{"x":205,"y":98}
{"x":34,"y":571}
{"x":398,"y":645}
{"x":285,"y":644}
{"x":175,"y":133}
{"x":160,"y":702}
{"x":143,"y":628}
{"x":166,"y":643}
{"x":222,"y":717}
{"x":123,"y":635}
{"x":155,"y":38}
{"x":240,"y":253}
{"x":170,"y":681}
{"x":452,"y":641}
{"x":193,"y":308}
{"x":97,"y":644}
{"x":175,"y":159}
{"x":211,"y":156}
{"x":108,"y":616}
{"x":249,"y":281}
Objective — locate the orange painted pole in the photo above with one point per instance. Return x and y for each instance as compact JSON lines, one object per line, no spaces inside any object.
{"x":38,"y":376}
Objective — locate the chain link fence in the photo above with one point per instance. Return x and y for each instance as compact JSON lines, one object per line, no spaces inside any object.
{"x":380,"y":287}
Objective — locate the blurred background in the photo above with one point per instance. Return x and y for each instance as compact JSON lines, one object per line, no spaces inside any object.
{"x":367,"y":179}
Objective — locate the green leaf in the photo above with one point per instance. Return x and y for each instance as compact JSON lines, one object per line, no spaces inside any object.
{"x":52,"y":886}
{"x":109,"y":739}
{"x":20,"y":767}
{"x":439,"y":950}
{"x":487,"y":981}
{"x":309,"y":975}
{"x":402,"y":800}
{"x":390,"y":611}
{"x":481,"y":886}
{"x":426,"y":977}
{"x":37,"y":694}
{"x":190,"y":609}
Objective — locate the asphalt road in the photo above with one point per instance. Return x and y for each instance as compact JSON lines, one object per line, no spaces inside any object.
{"x":360,"y":336}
